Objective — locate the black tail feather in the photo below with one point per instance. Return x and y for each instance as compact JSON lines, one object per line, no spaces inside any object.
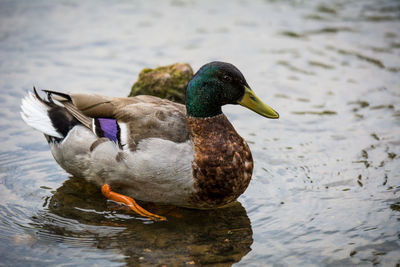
{"x":62,"y":120}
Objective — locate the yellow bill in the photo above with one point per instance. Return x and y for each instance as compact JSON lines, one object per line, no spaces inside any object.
{"x":251,"y":101}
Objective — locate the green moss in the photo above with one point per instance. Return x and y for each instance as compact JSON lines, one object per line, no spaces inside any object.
{"x":167,"y":82}
{"x":146,"y":70}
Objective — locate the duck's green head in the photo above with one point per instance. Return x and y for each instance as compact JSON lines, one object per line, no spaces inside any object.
{"x":217,"y":84}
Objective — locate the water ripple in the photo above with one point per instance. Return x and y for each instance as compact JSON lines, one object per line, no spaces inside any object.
{"x":325,"y":189}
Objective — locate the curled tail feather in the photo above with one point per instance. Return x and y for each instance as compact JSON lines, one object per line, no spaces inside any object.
{"x":46,"y":116}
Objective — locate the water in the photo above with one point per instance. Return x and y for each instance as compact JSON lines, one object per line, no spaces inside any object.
{"x":325,"y":188}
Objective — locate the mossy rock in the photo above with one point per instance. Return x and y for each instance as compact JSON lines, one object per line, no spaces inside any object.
{"x":167,"y":82}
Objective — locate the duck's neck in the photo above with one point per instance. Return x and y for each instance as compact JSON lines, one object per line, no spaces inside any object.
{"x":202,"y":100}
{"x":202,"y":110}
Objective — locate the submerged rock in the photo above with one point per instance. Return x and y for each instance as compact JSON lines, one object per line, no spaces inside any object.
{"x":165,"y":82}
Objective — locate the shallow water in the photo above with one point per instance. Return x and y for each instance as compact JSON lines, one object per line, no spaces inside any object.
{"x":326,"y":183}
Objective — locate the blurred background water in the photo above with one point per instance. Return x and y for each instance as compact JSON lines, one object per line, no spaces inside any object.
{"x":326,"y":184}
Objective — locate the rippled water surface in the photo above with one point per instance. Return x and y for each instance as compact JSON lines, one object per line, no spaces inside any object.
{"x":326,"y":184}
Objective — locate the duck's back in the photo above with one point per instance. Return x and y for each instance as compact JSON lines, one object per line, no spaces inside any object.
{"x":140,"y":117}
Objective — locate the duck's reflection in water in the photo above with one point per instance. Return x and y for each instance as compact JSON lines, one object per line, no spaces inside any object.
{"x":79,"y":216}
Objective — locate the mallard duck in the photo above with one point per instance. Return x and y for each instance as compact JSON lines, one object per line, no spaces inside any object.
{"x":153,"y":149}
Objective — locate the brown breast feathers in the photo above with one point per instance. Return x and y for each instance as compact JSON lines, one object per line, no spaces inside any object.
{"x":222,"y":165}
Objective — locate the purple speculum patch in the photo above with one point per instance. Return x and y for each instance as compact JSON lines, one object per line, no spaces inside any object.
{"x":109,"y":127}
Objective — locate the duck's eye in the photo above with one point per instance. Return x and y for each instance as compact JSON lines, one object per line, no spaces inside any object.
{"x":227,"y":78}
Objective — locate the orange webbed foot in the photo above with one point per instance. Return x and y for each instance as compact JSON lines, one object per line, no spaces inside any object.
{"x":130,"y":202}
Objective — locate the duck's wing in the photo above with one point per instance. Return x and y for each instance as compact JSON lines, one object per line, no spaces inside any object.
{"x":136,"y":118}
